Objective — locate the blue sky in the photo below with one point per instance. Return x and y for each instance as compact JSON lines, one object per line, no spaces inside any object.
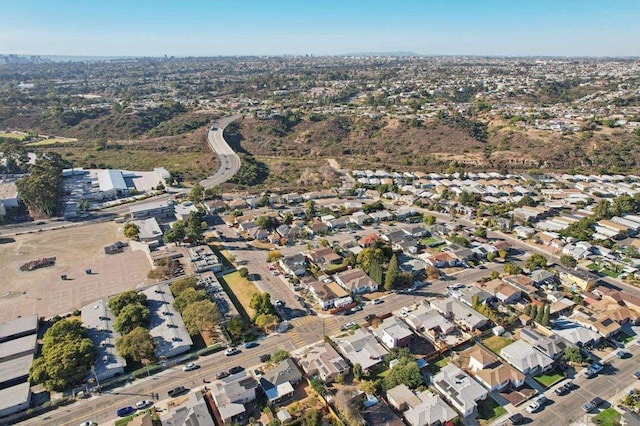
{"x":268,"y":27}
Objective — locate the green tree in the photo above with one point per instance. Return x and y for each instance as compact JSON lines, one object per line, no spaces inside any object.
{"x":200,"y":315}
{"x":310,"y":209}
{"x":197,"y":193}
{"x":632,"y":252}
{"x":67,"y":352}
{"x":357,"y":371}
{"x":375,"y":271}
{"x":235,"y":326}
{"x":128,"y":297}
{"x":568,"y":261}
{"x":491,"y":256}
{"x":392,"y":273}
{"x":266,"y":321}
{"x":545,"y":316}
{"x":131,"y":230}
{"x":177,"y":233}
{"x":130,"y":317}
{"x":261,"y":304}
{"x":136,"y":345}
{"x":493,"y":275}
{"x":406,"y":371}
{"x":429,"y":220}
{"x":527,"y":309}
{"x":187,"y":297}
{"x":265,"y":222}
{"x":274,"y":255}
{"x":536,"y":261}
{"x":367,"y":256}
{"x":572,"y":354}
{"x":279,"y":355}
{"x":540,"y":314}
{"x":512,"y":268}
{"x":475,"y":301}
{"x":368,"y":387}
{"x":534,"y":312}
{"x":182,"y":284}
{"x":481,"y":232}
{"x":244,"y":272}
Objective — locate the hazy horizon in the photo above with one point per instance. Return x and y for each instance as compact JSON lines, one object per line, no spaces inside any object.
{"x":199,"y":28}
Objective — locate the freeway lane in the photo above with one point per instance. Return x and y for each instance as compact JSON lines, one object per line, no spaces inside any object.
{"x":229,"y":160}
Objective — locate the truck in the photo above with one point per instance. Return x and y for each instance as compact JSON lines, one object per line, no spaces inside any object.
{"x":177,"y":391}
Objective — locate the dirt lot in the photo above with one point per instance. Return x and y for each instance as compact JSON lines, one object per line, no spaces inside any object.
{"x":42,"y":292}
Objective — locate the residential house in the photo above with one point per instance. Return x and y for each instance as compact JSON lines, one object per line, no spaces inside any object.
{"x":380,"y":414}
{"x":323,"y":361}
{"x":466,"y":317}
{"x":601,"y":323}
{"x":522,"y":283}
{"x":501,"y":290}
{"x":194,"y":412}
{"x":361,"y":218}
{"x":542,"y":277}
{"x":295,"y":264}
{"x":381,"y":216}
{"x":490,"y":371}
{"x":460,"y":390}
{"x":329,"y":295}
{"x":416,"y":231}
{"x":324,"y":257}
{"x":277,"y":383}
{"x":423,"y":409}
{"x":552,"y":346}
{"x":213,"y":206}
{"x":317,"y":228}
{"x":231,"y":393}
{"x":525,"y":358}
{"x":361,"y":348}
{"x":575,"y":334}
{"x":429,"y":322}
{"x":393,"y":333}
{"x":441,"y":260}
{"x":356,"y":281}
{"x":579,"y":278}
{"x":468,"y":294}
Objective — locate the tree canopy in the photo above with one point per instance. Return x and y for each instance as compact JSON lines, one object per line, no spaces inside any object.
{"x":128,"y":297}
{"x":536,"y":261}
{"x":181,"y":284}
{"x":200,"y":315}
{"x":67,"y":354}
{"x":40,"y":189}
{"x":136,"y":345}
{"x":261,"y":304}
{"x":130,"y":317}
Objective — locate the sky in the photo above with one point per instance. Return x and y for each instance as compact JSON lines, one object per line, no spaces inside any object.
{"x":326,"y":27}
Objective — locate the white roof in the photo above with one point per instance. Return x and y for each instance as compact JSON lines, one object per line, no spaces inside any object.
{"x":111,"y":179}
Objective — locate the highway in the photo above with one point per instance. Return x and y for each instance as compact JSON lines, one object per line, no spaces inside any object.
{"x":229,"y":160}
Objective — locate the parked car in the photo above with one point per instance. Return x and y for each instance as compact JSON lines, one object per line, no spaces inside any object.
{"x":191,"y":366}
{"x":637,"y":374}
{"x":593,"y":404}
{"x":564,"y":389}
{"x":622,"y":354}
{"x":88,"y":423}
{"x":278,"y":303}
{"x":222,"y":375}
{"x":376,"y":301}
{"x":236,"y":369}
{"x":231,"y":351}
{"x":369,"y":317}
{"x":178,"y":390}
{"x":516,"y":419}
{"x":265,"y":357}
{"x":356,"y":308}
{"x":125,"y":411}
{"x":596,"y":367}
{"x":348,"y":326}
{"x":250,"y":345}
{"x":589,"y":373}
{"x":141,"y":405}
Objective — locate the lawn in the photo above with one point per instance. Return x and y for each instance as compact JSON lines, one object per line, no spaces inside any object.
{"x":593,"y":267}
{"x":549,"y":379}
{"x":436,"y":366}
{"x":431,"y":241}
{"x":495,"y":343}
{"x":489,"y":409}
{"x":609,"y":273}
{"x":608,"y":417}
{"x":623,"y":338}
{"x":241,"y":289}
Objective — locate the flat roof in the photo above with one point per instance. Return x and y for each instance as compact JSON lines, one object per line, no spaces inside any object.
{"x":98,"y":319}
{"x":150,"y":206}
{"x":14,"y":396}
{"x":18,"y":326}
{"x":19,"y":346}
{"x":165,"y":325}
{"x":13,"y":369}
{"x":111,"y":179}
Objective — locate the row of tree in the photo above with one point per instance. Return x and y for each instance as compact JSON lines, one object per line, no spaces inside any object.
{"x":132,"y":319}
{"x":41,"y":188}
{"x":198,"y":312}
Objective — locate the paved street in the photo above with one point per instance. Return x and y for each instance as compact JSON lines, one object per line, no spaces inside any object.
{"x":608,"y":385}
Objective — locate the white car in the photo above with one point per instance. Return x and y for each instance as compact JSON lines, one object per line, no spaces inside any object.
{"x":533,"y":407}
{"x":191,"y":366}
{"x":231,"y":351}
{"x":88,"y":423}
{"x":140,"y":405}
{"x":376,"y":301}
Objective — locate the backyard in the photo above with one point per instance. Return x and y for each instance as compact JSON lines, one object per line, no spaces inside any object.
{"x":608,"y":417}
{"x":496,"y":343}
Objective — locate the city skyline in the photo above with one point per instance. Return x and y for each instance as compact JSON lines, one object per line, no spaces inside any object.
{"x":204,"y":28}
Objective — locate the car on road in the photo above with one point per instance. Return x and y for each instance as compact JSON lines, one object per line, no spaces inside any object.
{"x":125,"y":411}
{"x":222,"y":375}
{"x":250,"y":345}
{"x":141,"y":405}
{"x":356,"y":308}
{"x":232,"y":351}
{"x":369,"y":317}
{"x":516,"y":419}
{"x":376,"y":301}
{"x":257,"y":373}
{"x":278,"y":303}
{"x":190,"y":367}
{"x":178,"y":390}
{"x":347,"y":312}
{"x":589,"y":373}
{"x":637,"y":374}
{"x":596,"y":367}
{"x":564,"y":389}
{"x":236,"y":369}
{"x":88,"y":423}
{"x":265,"y":357}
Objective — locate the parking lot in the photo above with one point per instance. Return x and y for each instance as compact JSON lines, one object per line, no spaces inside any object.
{"x":44,"y":293}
